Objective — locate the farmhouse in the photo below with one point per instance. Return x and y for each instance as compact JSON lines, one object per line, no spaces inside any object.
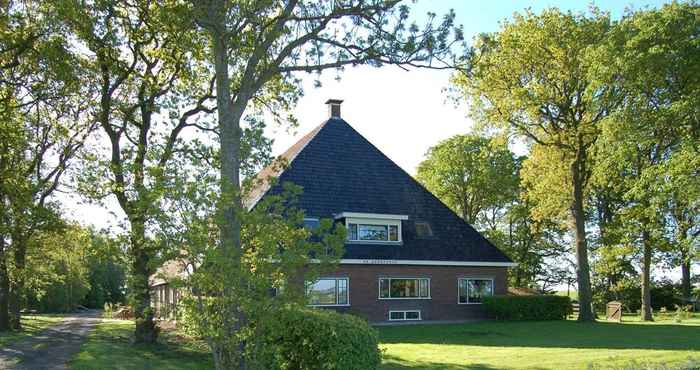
{"x":407,"y":256}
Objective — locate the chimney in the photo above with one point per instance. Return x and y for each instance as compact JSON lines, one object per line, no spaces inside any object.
{"x":334,"y":107}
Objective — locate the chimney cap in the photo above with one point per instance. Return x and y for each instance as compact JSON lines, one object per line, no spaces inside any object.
{"x":334,"y":101}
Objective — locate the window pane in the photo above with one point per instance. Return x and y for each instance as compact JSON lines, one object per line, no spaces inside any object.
{"x":412,"y":315}
{"x":478,"y":289}
{"x":393,"y":233}
{"x":462,"y":285}
{"x":342,"y":291}
{"x":352,"y":232}
{"x":423,"y":230}
{"x":373,"y":232}
{"x":311,"y":223}
{"x":396,"y":315}
{"x":404,"y":288}
{"x":424,"y":290}
{"x":384,"y":288}
{"x":322,"y":292}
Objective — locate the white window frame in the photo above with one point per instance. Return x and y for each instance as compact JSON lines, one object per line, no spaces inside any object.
{"x":379,"y":287}
{"x":493,"y":288}
{"x":336,"y":278}
{"x":420,"y":316}
{"x":377,"y":222}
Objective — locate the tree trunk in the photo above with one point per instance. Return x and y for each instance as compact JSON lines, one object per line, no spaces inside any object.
{"x":686,"y":288}
{"x":685,"y":279}
{"x":19,"y":244}
{"x":646,"y":275}
{"x":4,"y":289}
{"x":146,"y":331}
{"x":230,"y":225}
{"x":579,"y":216}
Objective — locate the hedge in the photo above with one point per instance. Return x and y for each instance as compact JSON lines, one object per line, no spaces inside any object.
{"x":310,"y":338}
{"x":534,"y":307}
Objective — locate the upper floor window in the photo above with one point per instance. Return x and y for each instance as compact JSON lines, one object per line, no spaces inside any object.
{"x":423,"y":229}
{"x":373,"y":228}
{"x":311,"y":223}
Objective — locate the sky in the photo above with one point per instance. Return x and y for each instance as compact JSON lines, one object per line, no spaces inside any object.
{"x":401,"y":112}
{"x":404,"y":113}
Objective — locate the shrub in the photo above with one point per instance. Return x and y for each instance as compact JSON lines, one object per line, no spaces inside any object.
{"x":534,"y":307}
{"x":308,"y":338}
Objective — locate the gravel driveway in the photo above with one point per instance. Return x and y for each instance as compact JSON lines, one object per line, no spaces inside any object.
{"x":53,"y":347}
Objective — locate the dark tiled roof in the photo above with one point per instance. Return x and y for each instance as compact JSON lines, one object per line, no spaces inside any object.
{"x":340,"y":171}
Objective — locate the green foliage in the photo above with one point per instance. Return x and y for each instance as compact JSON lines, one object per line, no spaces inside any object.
{"x":472,"y":174}
{"x":533,"y":307}
{"x":309,"y":339}
{"x":57,"y":277}
{"x":107,"y":269}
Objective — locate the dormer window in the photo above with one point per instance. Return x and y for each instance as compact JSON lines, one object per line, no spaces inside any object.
{"x":373,"y":228}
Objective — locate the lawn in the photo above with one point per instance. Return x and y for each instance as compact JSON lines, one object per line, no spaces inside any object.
{"x":109,"y":347}
{"x":543,"y":345}
{"x":479,"y":345}
{"x":31,"y":325}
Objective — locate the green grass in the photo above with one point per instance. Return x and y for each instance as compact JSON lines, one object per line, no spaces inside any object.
{"x":110,"y":346}
{"x":31,"y":325}
{"x":542,"y":345}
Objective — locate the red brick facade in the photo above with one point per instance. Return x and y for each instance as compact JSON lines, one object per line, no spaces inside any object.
{"x":442,"y":304}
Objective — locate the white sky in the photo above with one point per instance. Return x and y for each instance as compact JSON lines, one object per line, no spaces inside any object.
{"x":401,"y":112}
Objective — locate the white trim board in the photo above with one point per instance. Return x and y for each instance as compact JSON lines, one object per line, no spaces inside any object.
{"x":376,"y":216}
{"x":425,"y":263}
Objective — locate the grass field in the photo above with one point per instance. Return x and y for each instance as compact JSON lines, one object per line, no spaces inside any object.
{"x":543,"y":345}
{"x":481,"y":345}
{"x":109,"y":347}
{"x":31,"y":324}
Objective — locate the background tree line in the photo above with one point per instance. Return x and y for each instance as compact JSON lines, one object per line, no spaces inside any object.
{"x":608,"y":112}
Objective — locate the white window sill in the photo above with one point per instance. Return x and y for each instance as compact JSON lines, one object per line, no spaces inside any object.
{"x":328,"y":305}
{"x":402,"y":298}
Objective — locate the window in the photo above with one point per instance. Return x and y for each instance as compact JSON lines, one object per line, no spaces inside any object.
{"x":404,"y":315}
{"x":311,"y":223}
{"x":328,"y":292}
{"x":423,"y":230}
{"x":471,"y":291}
{"x":392,"y":288}
{"x":373,"y":232}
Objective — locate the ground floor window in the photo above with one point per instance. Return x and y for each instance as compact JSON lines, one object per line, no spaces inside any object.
{"x":473,"y":290}
{"x":397,"y":288}
{"x":327,"y":292}
{"x":404,"y":315}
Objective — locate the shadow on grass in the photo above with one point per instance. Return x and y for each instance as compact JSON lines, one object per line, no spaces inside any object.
{"x":390,"y":362}
{"x":112,"y":347}
{"x":550,"y":334}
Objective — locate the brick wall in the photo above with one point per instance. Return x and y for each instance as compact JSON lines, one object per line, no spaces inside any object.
{"x":364,"y":290}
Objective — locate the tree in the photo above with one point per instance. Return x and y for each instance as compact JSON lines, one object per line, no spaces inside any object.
{"x":58,"y":276}
{"x":152,"y":87}
{"x":474,"y":175}
{"x":652,"y":58}
{"x":257,"y":48}
{"x":532,"y":78}
{"x":41,"y":105}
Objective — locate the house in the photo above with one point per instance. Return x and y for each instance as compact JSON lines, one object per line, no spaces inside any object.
{"x":408,"y":256}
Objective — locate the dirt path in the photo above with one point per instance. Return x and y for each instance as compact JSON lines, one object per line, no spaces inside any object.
{"x":53,"y":347}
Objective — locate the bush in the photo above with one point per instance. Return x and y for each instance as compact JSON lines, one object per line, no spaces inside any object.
{"x":534,"y":307}
{"x":308,"y":338}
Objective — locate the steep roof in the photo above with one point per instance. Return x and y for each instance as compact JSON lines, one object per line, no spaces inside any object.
{"x":340,"y":171}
